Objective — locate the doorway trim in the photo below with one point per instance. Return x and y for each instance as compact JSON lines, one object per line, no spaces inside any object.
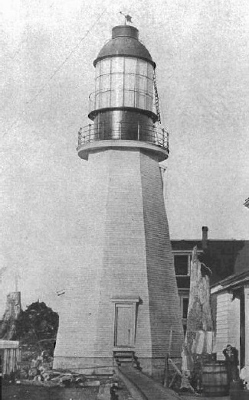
{"x":132,"y":302}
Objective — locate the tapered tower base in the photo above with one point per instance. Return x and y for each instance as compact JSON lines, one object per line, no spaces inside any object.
{"x":123,"y":297}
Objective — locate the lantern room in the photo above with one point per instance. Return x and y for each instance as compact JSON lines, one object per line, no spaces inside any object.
{"x":124,"y":74}
{"x":123,"y":82}
{"x":124,"y":104}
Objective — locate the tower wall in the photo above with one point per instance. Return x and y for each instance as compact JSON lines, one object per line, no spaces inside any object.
{"x":127,"y":256}
{"x":164,"y":299}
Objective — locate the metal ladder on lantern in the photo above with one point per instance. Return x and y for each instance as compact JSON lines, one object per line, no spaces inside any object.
{"x":156,"y":98}
{"x":157,"y":105}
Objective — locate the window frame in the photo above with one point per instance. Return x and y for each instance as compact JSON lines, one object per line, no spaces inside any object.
{"x":181,"y":253}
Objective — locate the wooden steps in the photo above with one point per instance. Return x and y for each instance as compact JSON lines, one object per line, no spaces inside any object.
{"x":126,"y":357}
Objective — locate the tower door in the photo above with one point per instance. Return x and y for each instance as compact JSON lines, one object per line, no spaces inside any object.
{"x":124,"y":330}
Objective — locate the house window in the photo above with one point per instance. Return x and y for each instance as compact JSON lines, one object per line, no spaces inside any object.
{"x":185,"y":307}
{"x":181,"y":264}
{"x":184,"y":300}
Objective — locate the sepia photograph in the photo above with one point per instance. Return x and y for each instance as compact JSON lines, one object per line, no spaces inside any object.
{"x":124,"y":157}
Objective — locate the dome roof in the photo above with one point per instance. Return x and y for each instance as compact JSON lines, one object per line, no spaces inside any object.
{"x":124,"y":42}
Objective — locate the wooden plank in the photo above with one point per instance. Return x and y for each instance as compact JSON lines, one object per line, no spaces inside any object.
{"x":9,"y":344}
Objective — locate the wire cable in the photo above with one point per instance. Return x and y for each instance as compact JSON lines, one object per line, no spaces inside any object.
{"x":66,"y":59}
{"x":57,"y":70}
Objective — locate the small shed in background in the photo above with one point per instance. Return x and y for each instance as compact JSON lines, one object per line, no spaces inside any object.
{"x":10,"y":356}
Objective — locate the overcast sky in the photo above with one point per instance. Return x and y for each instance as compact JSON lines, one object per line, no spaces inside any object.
{"x":47,"y":48}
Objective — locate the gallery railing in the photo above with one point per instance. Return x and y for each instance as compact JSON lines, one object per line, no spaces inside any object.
{"x":124,"y":131}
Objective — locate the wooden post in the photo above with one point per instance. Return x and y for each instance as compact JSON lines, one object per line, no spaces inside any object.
{"x":177,"y":372}
{"x":166,"y":371}
{"x":166,"y":368}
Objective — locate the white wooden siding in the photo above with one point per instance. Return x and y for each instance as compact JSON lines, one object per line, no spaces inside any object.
{"x":222,"y":323}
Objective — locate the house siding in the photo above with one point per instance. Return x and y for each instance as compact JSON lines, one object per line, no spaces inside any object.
{"x":246,"y":291}
{"x":222,"y":323}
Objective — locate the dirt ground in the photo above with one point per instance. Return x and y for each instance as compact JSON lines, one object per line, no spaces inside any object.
{"x":203,"y":397}
{"x":23,"y":392}
{"x":26,"y":392}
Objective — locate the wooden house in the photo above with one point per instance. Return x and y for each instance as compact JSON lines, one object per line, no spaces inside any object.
{"x":230,"y":298}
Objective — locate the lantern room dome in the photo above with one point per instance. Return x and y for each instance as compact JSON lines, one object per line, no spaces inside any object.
{"x":124,"y":42}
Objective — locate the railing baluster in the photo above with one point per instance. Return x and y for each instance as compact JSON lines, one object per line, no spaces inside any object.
{"x":119,"y":130}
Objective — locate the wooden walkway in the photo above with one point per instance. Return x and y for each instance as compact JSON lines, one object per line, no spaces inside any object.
{"x":142,"y":387}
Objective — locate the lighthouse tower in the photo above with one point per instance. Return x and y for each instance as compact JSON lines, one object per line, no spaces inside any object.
{"x":122,"y":301}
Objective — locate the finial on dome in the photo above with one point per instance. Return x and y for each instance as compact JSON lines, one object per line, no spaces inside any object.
{"x":127,"y":17}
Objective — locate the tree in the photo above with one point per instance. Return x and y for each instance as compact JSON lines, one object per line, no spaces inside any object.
{"x":38,"y":322}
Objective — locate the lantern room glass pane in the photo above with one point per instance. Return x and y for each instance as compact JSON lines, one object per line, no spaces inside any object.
{"x":100,"y":100}
{"x":105,"y":66}
{"x":130,"y":81}
{"x":142,"y":67}
{"x":97,"y":105}
{"x":150,"y":86}
{"x":105,"y":82}
{"x":97,"y":69}
{"x":117,"y":89}
{"x":142,"y":84}
{"x":117,"y":82}
{"x":149,"y":102}
{"x":97,"y":84}
{"x":113,"y":99}
{"x":141,"y":101}
{"x":105,"y":99}
{"x":150,"y":72}
{"x":129,"y":99}
{"x":118,"y":64}
{"x":117,"y":98}
{"x":130,"y":65}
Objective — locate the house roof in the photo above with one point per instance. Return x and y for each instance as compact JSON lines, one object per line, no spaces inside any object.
{"x":231,"y":281}
{"x":223,"y":257}
{"x":186,"y":244}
